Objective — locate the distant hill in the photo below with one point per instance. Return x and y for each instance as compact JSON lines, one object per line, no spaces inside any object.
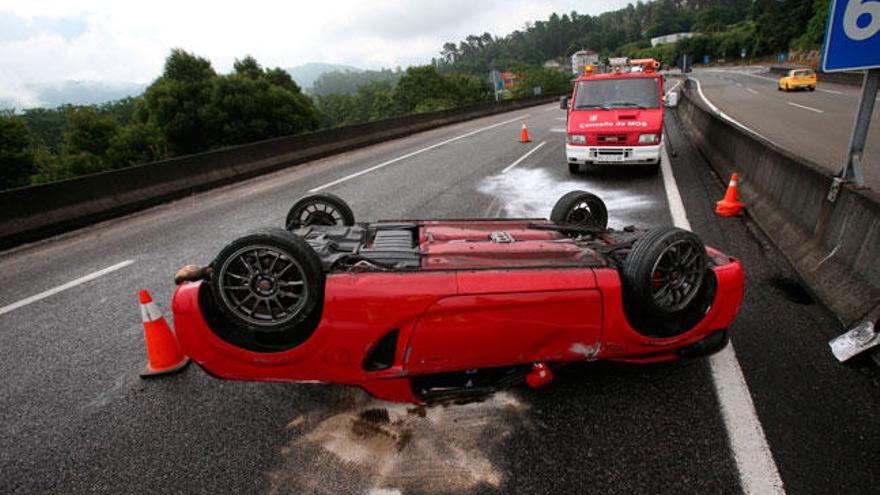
{"x":305,"y":74}
{"x":74,"y":93}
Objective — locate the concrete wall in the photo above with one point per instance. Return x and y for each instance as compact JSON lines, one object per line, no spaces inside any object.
{"x":36,"y":212}
{"x":834,"y":247}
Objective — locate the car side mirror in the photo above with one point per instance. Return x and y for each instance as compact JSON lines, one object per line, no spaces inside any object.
{"x":671,"y":99}
{"x":563,"y":103}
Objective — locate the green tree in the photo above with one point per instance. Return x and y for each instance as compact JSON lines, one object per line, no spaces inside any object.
{"x":815,"y":30}
{"x":246,"y":107}
{"x":177,"y":103}
{"x":88,"y":132}
{"x":16,"y":152}
{"x":135,"y":144}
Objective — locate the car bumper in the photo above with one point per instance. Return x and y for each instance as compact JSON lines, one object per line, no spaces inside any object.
{"x":613,"y":155}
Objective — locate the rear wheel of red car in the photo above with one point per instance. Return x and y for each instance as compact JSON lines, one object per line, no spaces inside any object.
{"x":267,"y":288}
{"x":580,"y":208}
{"x":574,"y":168}
{"x":319,"y":209}
{"x":665,"y":282}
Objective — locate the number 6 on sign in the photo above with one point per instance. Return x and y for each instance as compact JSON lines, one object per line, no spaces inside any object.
{"x":852,"y":36}
{"x":861,"y":19}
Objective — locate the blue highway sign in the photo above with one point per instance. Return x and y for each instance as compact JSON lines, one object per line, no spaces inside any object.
{"x":852,"y":36}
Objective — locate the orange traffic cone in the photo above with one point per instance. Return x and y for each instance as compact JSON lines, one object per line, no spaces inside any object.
{"x":524,"y":135}
{"x":729,"y":206}
{"x":163,"y":352}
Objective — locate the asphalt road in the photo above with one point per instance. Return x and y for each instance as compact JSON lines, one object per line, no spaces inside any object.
{"x":76,"y":418}
{"x":813,"y":124}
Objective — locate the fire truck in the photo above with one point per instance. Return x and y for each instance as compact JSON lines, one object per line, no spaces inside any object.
{"x":615,"y":118}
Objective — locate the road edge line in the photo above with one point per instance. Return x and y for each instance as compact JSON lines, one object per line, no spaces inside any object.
{"x":757,"y":469}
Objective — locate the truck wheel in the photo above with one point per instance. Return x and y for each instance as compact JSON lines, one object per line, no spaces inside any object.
{"x":319,"y":209}
{"x":265,"y":287}
{"x":664,"y":280}
{"x":574,"y":168}
{"x":580,"y":208}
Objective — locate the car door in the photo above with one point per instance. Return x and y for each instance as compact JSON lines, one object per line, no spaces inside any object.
{"x":507,"y":317}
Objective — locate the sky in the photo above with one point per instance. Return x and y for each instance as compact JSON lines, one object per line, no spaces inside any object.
{"x":45,"y":42}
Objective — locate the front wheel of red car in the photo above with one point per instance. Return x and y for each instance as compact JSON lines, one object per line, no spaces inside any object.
{"x":266,"y":289}
{"x":666,"y":286}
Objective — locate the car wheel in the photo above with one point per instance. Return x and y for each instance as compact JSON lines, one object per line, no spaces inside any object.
{"x":574,"y":168}
{"x":778,"y":88}
{"x":580,"y":208}
{"x":319,"y":209}
{"x":267,"y":286}
{"x":664,"y":280}
{"x":812,"y":88}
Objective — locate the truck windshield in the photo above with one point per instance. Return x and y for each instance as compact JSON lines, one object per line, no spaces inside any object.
{"x":636,"y":92}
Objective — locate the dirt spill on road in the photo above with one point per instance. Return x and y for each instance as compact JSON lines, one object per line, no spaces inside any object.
{"x":370,"y":446}
{"x":532,"y":192}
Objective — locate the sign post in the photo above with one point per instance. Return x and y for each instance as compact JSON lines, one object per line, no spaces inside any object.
{"x":852,"y":42}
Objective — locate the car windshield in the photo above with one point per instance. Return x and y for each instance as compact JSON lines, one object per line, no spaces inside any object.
{"x":636,"y":92}
{"x":803,"y":73}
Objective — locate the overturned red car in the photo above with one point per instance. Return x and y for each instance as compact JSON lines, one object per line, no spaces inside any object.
{"x":446,"y":310}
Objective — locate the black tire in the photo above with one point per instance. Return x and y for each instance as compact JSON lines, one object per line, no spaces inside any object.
{"x":267,"y":288}
{"x":319,"y":209}
{"x":580,"y":208}
{"x":574,"y":168}
{"x":812,"y":89}
{"x":664,"y":281}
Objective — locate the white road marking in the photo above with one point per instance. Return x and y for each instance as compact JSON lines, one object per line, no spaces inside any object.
{"x":752,"y":91}
{"x":63,"y":287}
{"x":677,"y":84}
{"x":552,"y":108}
{"x":829,"y":91}
{"x":561,"y":118}
{"x":758,"y":473}
{"x":414,"y":153}
{"x":728,"y":117}
{"x":805,"y":107}
{"x":520,"y":159}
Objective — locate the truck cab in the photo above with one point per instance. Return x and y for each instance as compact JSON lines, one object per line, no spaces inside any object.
{"x":615,"y":118}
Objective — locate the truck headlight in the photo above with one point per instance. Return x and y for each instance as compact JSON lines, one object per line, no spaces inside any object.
{"x":649,"y":138}
{"x":577,"y":139}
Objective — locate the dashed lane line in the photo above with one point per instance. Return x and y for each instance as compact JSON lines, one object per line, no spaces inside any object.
{"x":752,"y":91}
{"x":63,"y":287}
{"x":728,"y":117}
{"x":520,"y":159}
{"x":414,"y":153}
{"x":805,"y":107}
{"x":758,"y":473}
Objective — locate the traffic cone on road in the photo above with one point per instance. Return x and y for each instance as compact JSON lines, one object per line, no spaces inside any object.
{"x":524,"y":135}
{"x":729,"y":206}
{"x":164,"y":355}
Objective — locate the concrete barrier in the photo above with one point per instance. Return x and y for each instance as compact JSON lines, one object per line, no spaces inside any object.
{"x":36,"y":212}
{"x":834,"y":247}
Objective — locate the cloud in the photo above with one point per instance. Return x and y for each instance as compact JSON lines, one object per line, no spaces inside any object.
{"x":99,"y":40}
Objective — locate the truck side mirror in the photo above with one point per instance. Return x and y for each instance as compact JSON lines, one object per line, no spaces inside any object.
{"x":563,"y":103}
{"x":671,"y":99}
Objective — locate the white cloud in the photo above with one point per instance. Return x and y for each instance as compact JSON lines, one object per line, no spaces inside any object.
{"x":99,"y":40}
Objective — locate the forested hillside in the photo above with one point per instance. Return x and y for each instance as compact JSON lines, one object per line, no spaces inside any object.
{"x":762,"y":27}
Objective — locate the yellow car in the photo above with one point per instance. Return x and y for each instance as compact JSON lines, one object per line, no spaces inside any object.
{"x":798,"y":79}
